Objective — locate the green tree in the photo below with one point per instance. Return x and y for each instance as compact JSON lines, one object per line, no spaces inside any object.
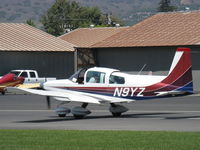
{"x":165,"y":6}
{"x":30,"y":22}
{"x":111,"y":21}
{"x":68,"y":15}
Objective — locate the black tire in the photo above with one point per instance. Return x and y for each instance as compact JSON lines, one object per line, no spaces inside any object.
{"x":61,"y":115}
{"x":78,"y":117}
{"x":116,"y":114}
{"x":3,"y":93}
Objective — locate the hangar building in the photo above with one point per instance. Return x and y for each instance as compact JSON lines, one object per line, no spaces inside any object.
{"x":150,"y":45}
{"x":85,"y":38}
{"x":25,"y":47}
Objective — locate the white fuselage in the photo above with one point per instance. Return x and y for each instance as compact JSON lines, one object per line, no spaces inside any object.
{"x":129,"y":80}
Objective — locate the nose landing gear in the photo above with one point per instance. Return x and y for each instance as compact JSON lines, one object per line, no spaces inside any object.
{"x":78,"y":112}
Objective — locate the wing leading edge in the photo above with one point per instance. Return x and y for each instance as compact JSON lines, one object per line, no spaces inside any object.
{"x":67,"y":95}
{"x":70,"y":96}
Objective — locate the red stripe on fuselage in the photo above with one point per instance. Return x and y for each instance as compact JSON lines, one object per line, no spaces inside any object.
{"x":180,"y":76}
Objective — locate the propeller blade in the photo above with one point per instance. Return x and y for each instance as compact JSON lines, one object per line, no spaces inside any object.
{"x":48,"y":102}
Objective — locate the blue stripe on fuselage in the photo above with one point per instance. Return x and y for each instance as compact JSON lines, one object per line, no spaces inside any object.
{"x":187,"y":88}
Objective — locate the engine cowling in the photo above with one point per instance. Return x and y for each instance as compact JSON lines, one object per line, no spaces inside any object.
{"x":62,"y":111}
{"x":80,"y":112}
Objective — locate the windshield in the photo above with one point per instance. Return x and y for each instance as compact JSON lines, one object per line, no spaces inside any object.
{"x":16,"y":73}
{"x":78,"y":75}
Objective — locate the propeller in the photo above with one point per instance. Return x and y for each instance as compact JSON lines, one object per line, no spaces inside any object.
{"x":48,"y":102}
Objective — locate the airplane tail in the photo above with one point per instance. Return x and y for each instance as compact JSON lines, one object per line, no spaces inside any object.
{"x":180,"y":74}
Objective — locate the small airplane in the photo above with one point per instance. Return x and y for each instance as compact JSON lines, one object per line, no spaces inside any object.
{"x":9,"y":80}
{"x":98,"y":85}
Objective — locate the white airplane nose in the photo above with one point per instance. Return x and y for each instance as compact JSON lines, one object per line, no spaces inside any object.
{"x":48,"y":84}
{"x":45,"y":85}
{"x":42,"y":85}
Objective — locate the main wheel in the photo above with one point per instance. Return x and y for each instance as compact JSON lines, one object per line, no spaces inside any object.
{"x":78,"y":116}
{"x":116,"y":114}
{"x":62,"y":115}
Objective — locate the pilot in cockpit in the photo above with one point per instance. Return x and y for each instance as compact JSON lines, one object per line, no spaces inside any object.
{"x":94,"y":79}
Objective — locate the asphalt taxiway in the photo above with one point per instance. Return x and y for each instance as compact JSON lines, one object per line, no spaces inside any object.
{"x":170,"y":114}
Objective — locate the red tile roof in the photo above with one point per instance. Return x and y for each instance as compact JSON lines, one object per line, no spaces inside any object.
{"x":22,"y":37}
{"x":86,"y":37}
{"x":162,"y":29}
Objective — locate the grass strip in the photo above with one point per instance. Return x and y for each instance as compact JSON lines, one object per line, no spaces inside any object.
{"x":97,"y":140}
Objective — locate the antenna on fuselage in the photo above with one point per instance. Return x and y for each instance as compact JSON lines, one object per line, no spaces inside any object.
{"x":141,"y":69}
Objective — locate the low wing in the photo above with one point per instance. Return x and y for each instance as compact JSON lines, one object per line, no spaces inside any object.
{"x":70,"y":95}
{"x":67,"y":95}
{"x":109,"y":99}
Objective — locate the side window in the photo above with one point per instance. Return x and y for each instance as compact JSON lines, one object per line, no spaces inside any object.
{"x":95,"y":77}
{"x":15,"y":72}
{"x":116,"y":80}
{"x":24,"y":74}
{"x":32,"y":74}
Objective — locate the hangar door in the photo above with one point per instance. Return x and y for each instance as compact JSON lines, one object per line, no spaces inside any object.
{"x":156,"y":60}
{"x":48,"y":64}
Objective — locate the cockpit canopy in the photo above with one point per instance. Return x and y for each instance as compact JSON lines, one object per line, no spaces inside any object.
{"x":78,"y":76}
{"x":97,"y":75}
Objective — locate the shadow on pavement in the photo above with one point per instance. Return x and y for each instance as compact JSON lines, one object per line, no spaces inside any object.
{"x":139,"y":115}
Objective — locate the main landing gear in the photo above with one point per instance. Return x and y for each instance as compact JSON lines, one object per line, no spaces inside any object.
{"x":117,"y":110}
{"x":80,"y":112}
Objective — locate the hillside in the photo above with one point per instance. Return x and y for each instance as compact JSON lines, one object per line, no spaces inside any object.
{"x":131,"y":11}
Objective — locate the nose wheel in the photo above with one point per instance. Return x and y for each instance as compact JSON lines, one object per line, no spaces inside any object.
{"x":62,"y":111}
{"x":3,"y":92}
{"x":78,"y":112}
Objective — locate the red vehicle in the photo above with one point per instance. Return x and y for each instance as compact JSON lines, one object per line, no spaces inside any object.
{"x":10,"y":80}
